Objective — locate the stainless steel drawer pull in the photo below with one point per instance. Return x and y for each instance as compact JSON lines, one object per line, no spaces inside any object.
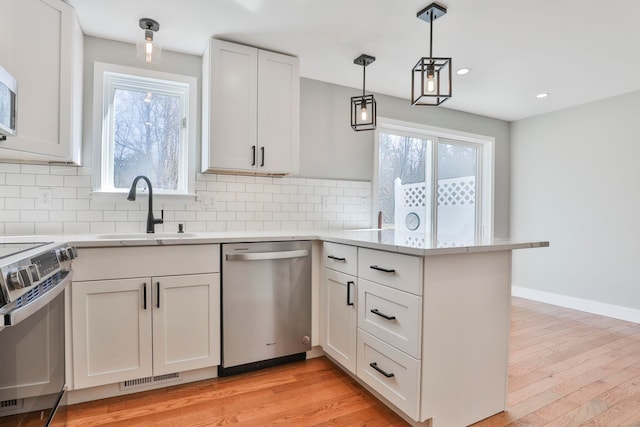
{"x":260,"y":256}
{"x":335,"y":258}
{"x":374,"y":365}
{"x":375,"y":311}
{"x":385,"y":270}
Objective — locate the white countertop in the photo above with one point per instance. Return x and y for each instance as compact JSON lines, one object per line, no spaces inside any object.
{"x":388,"y":240}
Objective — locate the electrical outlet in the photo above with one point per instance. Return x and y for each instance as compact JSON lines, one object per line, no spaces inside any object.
{"x":325,"y":203}
{"x":44,"y":198}
{"x":208,"y":200}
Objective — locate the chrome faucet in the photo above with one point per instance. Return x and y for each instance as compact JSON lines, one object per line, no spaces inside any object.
{"x":151,"y":221}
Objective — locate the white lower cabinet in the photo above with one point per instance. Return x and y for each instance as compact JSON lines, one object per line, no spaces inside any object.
{"x":390,"y":372}
{"x":134,"y":328}
{"x":184,"y":322}
{"x":391,"y":315}
{"x":376,"y":334}
{"x":340,"y":318}
{"x":112,"y":339}
{"x":142,"y":312}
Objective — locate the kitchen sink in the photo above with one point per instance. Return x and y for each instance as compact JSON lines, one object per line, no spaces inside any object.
{"x":148,"y":236}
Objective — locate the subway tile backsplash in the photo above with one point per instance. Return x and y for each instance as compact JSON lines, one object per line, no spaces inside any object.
{"x":42,"y":199}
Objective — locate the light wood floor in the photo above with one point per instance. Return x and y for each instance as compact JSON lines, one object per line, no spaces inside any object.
{"x":567,"y":368}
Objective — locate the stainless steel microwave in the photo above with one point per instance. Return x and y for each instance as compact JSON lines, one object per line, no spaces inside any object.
{"x":8,"y":104}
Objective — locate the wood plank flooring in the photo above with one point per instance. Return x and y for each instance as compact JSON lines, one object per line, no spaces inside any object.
{"x":567,"y":368}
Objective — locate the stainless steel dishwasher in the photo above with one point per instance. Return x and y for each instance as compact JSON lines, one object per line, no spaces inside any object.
{"x":266,"y":304}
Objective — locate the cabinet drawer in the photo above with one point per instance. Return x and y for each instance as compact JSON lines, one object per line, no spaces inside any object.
{"x":399,"y":271}
{"x":391,"y":315}
{"x":390,"y":372}
{"x":123,"y":262}
{"x":343,"y":258}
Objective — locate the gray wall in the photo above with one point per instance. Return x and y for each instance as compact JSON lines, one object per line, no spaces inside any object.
{"x":574,"y":182}
{"x":329,"y":148}
{"x":114,"y":52}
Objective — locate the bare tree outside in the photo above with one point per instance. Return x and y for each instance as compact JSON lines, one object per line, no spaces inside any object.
{"x":401,"y":157}
{"x":5,"y":104}
{"x":456,"y":160}
{"x":146,"y":138}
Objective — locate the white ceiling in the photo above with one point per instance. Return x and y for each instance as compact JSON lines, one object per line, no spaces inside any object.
{"x":578,"y":50}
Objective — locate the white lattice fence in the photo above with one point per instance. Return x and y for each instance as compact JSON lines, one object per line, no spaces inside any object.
{"x":456,"y":205}
{"x":410,"y":198}
{"x":457,"y":191}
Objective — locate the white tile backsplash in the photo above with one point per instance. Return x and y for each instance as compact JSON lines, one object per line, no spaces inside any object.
{"x":222,"y":203}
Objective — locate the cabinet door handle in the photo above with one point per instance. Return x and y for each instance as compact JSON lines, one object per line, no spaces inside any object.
{"x":385,"y":270}
{"x":336,"y":258}
{"x":386,"y":316}
{"x":144,"y":296}
{"x":349,"y":302}
{"x":158,"y":294}
{"x":253,"y":155}
{"x":374,"y":365}
{"x":262,"y":154}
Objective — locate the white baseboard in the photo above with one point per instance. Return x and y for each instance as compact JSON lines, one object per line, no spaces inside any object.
{"x":589,"y":306}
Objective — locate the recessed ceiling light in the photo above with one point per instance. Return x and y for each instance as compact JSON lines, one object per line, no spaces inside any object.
{"x":542,"y":95}
{"x":463,"y":71}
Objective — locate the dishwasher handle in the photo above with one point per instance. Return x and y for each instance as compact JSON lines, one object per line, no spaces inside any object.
{"x":260,"y":256}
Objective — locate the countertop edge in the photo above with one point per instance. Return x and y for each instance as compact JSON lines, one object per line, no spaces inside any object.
{"x":367,"y":240}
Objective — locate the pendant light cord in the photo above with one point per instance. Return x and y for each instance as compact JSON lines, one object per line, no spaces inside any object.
{"x":364,"y":71}
{"x":431,"y":34}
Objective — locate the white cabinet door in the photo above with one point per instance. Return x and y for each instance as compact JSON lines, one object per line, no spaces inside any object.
{"x":251,"y":110}
{"x":111,"y":331}
{"x":278,"y":113}
{"x":339,"y":318}
{"x":186,"y":322}
{"x":44,"y":54}
{"x":232,"y":115}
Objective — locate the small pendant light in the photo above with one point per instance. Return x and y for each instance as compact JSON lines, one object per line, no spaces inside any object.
{"x":363,"y":108}
{"x":431,"y":77}
{"x":148,"y":51}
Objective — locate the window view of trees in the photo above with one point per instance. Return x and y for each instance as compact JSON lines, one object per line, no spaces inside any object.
{"x":401,"y":157}
{"x":146,"y":138}
{"x":5,"y":104}
{"x":406,"y":157}
{"x":456,"y":160}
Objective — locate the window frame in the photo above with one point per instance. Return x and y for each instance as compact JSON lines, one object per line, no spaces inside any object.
{"x":486,"y":168}
{"x":107,"y":78}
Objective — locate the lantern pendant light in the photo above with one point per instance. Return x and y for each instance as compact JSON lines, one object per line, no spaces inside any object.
{"x":431,"y":76}
{"x":363,"y":108}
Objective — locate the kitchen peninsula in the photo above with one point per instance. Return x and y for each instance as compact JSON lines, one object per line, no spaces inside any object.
{"x":422,"y":324}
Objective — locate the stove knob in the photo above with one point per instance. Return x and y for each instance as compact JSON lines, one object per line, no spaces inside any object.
{"x":26,"y":276}
{"x":15,"y":280}
{"x":35,"y":272}
{"x":63,"y":254}
{"x":72,"y":252}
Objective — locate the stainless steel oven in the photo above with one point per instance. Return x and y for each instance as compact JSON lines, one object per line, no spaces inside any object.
{"x":32,"y":333}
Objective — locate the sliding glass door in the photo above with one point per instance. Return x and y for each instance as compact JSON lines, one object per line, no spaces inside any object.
{"x":430,"y":185}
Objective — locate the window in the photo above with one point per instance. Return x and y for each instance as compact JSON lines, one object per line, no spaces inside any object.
{"x":143,"y":119}
{"x":433,"y":182}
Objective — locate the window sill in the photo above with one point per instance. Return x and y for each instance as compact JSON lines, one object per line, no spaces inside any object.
{"x":159,"y":197}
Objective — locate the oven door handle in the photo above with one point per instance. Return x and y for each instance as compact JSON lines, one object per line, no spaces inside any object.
{"x":17,"y":315}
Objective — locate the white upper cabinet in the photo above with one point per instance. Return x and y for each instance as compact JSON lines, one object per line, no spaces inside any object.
{"x":251,"y":110}
{"x":42,"y":48}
